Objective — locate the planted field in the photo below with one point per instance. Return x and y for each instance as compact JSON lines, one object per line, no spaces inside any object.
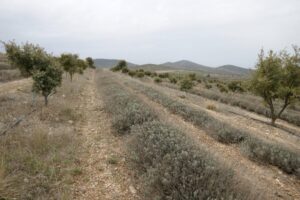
{"x":109,"y":136}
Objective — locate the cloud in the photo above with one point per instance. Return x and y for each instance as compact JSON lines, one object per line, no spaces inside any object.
{"x":211,"y":32}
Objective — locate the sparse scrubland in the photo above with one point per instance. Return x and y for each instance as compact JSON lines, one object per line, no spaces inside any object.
{"x":169,"y":164}
{"x":275,"y":82}
{"x":105,"y":135}
{"x":256,"y":148}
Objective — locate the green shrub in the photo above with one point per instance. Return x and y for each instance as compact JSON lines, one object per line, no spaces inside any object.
{"x":186,"y":84}
{"x":157,"y":80}
{"x":235,"y":86}
{"x":208,"y":86}
{"x":173,"y":80}
{"x":147,"y":73}
{"x":131,"y":73}
{"x":153,"y":74}
{"x":163,"y":75}
{"x":125,"y":70}
{"x":192,"y":76}
{"x":121,"y":65}
{"x":140,"y":74}
{"x":222,"y":88}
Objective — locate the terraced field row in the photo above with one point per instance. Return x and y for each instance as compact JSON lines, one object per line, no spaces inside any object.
{"x":175,"y":146}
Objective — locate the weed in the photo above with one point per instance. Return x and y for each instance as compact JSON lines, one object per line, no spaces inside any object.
{"x":157,"y":80}
{"x":211,"y":107}
{"x":113,"y":160}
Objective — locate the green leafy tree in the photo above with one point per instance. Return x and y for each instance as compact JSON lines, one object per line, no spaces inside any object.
{"x":277,"y":77}
{"x":81,"y":66}
{"x":121,"y":65}
{"x":69,"y":63}
{"x":46,"y":80}
{"x":34,"y":61}
{"x":26,"y":57}
{"x":90,"y":62}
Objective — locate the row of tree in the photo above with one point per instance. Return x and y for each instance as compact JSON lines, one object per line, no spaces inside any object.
{"x":45,"y":69}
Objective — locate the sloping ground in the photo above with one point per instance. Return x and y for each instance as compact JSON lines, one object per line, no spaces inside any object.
{"x":71,"y":149}
{"x":286,"y":133}
{"x":7,"y":72}
{"x":281,"y":185}
{"x":13,"y":86}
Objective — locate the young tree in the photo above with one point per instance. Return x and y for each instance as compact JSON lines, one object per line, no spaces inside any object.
{"x":277,"y":77}
{"x":81,"y":66}
{"x":69,"y":63}
{"x":121,"y":65}
{"x":90,"y":62}
{"x":46,"y":80}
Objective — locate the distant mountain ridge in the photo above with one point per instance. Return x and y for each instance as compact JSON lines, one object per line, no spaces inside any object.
{"x":234,"y":69}
{"x":107,"y":63}
{"x":179,"y":65}
{"x":224,"y":69}
{"x":185,"y":64}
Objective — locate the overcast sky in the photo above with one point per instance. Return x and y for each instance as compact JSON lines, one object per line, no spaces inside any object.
{"x":210,"y":32}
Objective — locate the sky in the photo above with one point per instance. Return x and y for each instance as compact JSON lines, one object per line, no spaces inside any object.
{"x":210,"y":32}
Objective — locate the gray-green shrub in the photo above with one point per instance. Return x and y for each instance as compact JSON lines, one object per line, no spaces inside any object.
{"x":174,"y":168}
{"x":225,"y":133}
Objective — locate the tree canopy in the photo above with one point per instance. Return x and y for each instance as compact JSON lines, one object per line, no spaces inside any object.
{"x":277,"y":77}
{"x":121,"y":65}
{"x":34,"y":61}
{"x":27,"y":57}
{"x":90,"y":62}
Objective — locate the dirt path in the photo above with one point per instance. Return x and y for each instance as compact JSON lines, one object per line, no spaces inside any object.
{"x":14,"y":85}
{"x":104,"y":173}
{"x":266,"y":181}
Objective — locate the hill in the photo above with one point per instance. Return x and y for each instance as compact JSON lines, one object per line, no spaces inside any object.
{"x":187,"y":65}
{"x":232,"y":69}
{"x":180,"y":65}
{"x":224,"y":70}
{"x":153,"y":67}
{"x":108,"y":63}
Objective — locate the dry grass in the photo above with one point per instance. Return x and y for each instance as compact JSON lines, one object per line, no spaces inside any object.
{"x":9,"y":75}
{"x":38,"y":158}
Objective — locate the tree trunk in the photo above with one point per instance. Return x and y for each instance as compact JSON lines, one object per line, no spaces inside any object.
{"x":46,"y":100}
{"x":273,"y":120}
{"x":71,"y":76}
{"x":273,"y":115}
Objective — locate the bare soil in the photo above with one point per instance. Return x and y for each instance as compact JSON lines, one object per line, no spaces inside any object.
{"x":103,"y":161}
